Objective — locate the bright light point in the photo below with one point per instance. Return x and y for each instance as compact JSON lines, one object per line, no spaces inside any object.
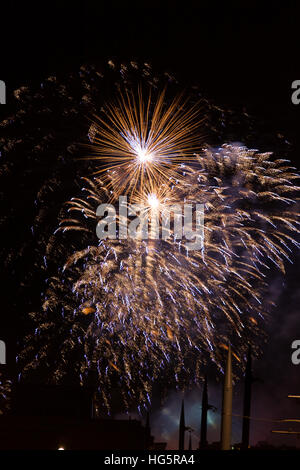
{"x":61,"y":448}
{"x":153,"y":201}
{"x":144,"y":156}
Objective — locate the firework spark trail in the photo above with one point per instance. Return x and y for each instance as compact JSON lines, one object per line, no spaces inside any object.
{"x":151,"y":309}
{"x":5,"y":394}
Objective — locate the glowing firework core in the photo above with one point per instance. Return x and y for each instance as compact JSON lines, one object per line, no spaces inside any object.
{"x":153,"y":201}
{"x":144,"y":156}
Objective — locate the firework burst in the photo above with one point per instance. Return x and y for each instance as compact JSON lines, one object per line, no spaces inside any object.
{"x":133,"y":311}
{"x":152,"y":309}
{"x":140,"y":141}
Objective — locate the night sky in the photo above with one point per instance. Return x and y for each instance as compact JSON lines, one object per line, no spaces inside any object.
{"x":245,"y":57}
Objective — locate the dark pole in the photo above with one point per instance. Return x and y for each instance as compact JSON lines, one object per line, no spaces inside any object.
{"x":247,"y":401}
{"x":203,"y":431}
{"x":190,"y":441}
{"x":227,"y":405}
{"x":148,"y":431}
{"x":181,"y":428}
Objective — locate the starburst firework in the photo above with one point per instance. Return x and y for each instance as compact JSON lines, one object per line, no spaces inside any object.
{"x":140,"y":142}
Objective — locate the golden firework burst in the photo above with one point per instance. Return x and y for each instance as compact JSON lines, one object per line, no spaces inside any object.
{"x":142,"y":141}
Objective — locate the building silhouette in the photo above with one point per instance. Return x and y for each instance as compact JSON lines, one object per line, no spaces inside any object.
{"x":61,"y":417}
